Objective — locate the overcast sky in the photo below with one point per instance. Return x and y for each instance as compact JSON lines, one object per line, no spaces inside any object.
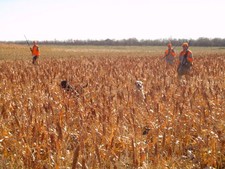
{"x":113,"y":19}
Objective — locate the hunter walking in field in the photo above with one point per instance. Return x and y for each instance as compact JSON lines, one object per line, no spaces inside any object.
{"x":185,"y":61}
{"x":35,"y":52}
{"x":169,"y":55}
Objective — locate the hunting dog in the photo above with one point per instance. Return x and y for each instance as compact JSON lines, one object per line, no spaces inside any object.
{"x":139,"y":92}
{"x":78,"y":89}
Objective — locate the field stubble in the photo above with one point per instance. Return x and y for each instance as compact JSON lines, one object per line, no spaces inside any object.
{"x":43,"y":126}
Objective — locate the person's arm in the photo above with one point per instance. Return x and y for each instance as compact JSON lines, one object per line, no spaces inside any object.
{"x":173,"y":53}
{"x":190,"y":57}
{"x":165,"y":54}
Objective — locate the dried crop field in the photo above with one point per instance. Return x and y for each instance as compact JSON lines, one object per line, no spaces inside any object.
{"x":43,"y":126}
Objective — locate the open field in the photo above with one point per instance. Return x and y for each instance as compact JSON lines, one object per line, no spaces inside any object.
{"x":43,"y":126}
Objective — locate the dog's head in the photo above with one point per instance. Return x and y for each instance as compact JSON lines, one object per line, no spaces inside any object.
{"x":145,"y":130}
{"x":64,"y":84}
{"x":139,"y":85}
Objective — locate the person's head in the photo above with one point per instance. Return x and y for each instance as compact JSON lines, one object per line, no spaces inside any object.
{"x":169,"y":45}
{"x":35,"y":42}
{"x":185,"y":46}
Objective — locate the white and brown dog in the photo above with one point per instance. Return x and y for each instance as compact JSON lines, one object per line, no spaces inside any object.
{"x":139,"y":92}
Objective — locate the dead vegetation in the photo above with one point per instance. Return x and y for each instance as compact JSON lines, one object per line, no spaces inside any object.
{"x":43,"y":126}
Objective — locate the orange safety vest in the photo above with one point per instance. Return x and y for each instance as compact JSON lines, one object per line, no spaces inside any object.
{"x":170,"y":52}
{"x":35,"y":51}
{"x":189,"y":55}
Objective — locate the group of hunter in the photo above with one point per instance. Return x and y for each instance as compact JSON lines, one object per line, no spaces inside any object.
{"x":185,"y":60}
{"x":185,"y":57}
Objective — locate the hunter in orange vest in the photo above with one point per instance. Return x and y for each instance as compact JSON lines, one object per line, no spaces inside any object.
{"x":35,"y":52}
{"x":169,"y":54}
{"x":185,"y":60}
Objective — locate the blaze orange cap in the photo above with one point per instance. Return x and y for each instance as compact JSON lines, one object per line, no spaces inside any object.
{"x":185,"y":44}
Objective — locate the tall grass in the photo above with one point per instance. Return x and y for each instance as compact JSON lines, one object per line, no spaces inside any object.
{"x":43,"y":126}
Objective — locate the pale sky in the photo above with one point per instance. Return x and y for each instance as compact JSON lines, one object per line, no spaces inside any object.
{"x":113,"y":19}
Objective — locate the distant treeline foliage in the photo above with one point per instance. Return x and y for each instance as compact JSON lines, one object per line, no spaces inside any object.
{"x":136,"y":42}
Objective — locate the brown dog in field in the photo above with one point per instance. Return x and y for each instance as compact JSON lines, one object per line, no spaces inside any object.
{"x":78,"y":90}
{"x":65,"y":85}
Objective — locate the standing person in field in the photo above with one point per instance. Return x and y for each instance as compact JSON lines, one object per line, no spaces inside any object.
{"x":169,"y":55}
{"x":35,"y":52}
{"x":185,"y":61}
